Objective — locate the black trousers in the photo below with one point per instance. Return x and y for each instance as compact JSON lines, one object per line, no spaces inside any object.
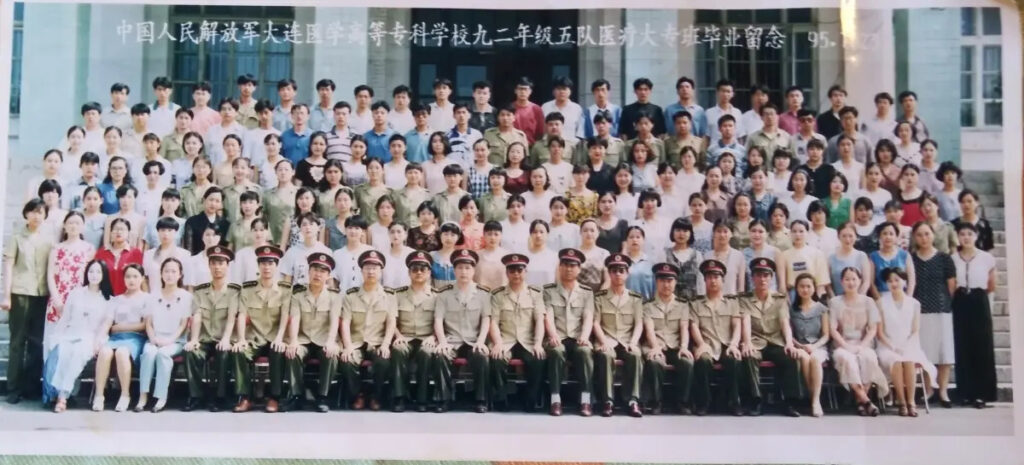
{"x":478,"y":367}
{"x":242,"y":362}
{"x":534,"y":374}
{"x":25,"y":356}
{"x":655,"y":374}
{"x":703,"y":370}
{"x":787,"y":373}
{"x":403,"y":359}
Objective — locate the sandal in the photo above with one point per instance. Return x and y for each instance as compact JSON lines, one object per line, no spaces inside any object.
{"x":912,"y":411}
{"x":903,"y":411}
{"x":61,"y":406}
{"x":872,"y":410}
{"x":862,"y":409}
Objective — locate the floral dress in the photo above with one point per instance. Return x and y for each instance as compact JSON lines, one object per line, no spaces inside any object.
{"x":68,"y":273}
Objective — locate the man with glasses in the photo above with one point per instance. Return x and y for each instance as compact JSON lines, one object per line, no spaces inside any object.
{"x":798,"y":143}
{"x":568,"y":325}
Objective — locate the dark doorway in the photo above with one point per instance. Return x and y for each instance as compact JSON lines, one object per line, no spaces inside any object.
{"x":501,"y":62}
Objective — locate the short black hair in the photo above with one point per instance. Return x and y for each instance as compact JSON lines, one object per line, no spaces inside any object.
{"x":682,"y":114}
{"x":452,"y":170}
{"x":342,"y":105}
{"x":492,"y":226}
{"x":401,"y":89}
{"x":836,"y":88}
{"x":685,"y":80}
{"x":139,"y":109}
{"x":554,"y":116}
{"x":204,"y":86}
{"x":758,"y":88}
{"x":287,"y":82}
{"x":362,"y":87}
{"x":91,"y":106}
{"x":524,"y":81}
{"x":120,"y":87}
{"x":263,"y":105}
{"x":905,"y":94}
{"x":724,"y":83}
{"x":804,"y":112}
{"x":33,"y":205}
{"x":794,"y":89}
{"x":184,"y":111}
{"x":848,"y":109}
{"x":481,"y":85}
{"x":562,"y":81}
{"x":167,"y":223}
{"x":442,"y":81}
{"x":726,"y":118}
{"x":325,"y":83}
{"x":152,"y":163}
{"x":380,"y":104}
{"x":247,"y":79}
{"x":600,"y":83}
{"x":228,"y":101}
{"x":884,"y":96}
{"x":642,"y":82}
{"x":164,"y":82}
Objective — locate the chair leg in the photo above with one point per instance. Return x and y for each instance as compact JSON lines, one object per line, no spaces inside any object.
{"x":924,"y":389}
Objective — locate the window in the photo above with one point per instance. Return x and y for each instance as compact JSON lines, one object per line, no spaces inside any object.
{"x":775,"y":68}
{"x":981,"y":68}
{"x":222,"y":62}
{"x":16,"y":42}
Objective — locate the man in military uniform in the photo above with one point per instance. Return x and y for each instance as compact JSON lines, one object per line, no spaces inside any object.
{"x":617,"y":335}
{"x":500,"y":137}
{"x":667,"y":331}
{"x":414,"y":339}
{"x":568,"y":326}
{"x":768,"y":336}
{"x":315,"y":312}
{"x":367,"y":327}
{"x":517,"y":331}
{"x":716,"y":339}
{"x":462,"y":319}
{"x":260,"y":328}
{"x":214,"y":309}
{"x":615,"y":152}
{"x":554,"y":123}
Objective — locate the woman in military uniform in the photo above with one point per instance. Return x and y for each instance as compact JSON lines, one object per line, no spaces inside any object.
{"x":279,"y":202}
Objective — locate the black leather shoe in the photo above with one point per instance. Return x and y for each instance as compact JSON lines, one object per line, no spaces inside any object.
{"x":291,"y":405}
{"x":398,"y":406}
{"x":217,"y":405}
{"x":945,"y":403}
{"x":13,"y":398}
{"x":420,"y":407}
{"x":321,"y":405}
{"x":481,"y":407}
{"x":737,"y":411}
{"x":755,"y":408}
{"x":193,"y":403}
{"x":790,"y":411}
{"x":701,"y":411}
{"x":441,"y":407}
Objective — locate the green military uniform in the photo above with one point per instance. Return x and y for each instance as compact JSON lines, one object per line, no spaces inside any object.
{"x":278,"y":206}
{"x":448,"y":205}
{"x":415,"y":322}
{"x":657,"y":147}
{"x":493,"y":208}
{"x":406,"y":202}
{"x":618,"y":316}
{"x":232,"y":199}
{"x":569,"y":310}
{"x":499,"y":143}
{"x":171,"y":146}
{"x":715,"y":320}
{"x":215,"y":310}
{"x":366,"y":200}
{"x":192,"y":199}
{"x":265,"y":310}
{"x":615,"y":154}
{"x":314,"y":313}
{"x":674,"y":148}
{"x":463,"y":314}
{"x":767,"y":319}
{"x":669,"y":320}
{"x":517,"y":314}
{"x":246,"y":115}
{"x":367,"y":314}
{"x":539,"y":153}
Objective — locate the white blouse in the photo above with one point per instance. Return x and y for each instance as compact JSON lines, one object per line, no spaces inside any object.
{"x":394,"y":174}
{"x":973,"y":273}
{"x":515,"y":237}
{"x":543,"y":267}
{"x":827,"y":240}
{"x":395,"y":273}
{"x":129,"y":309}
{"x":166,"y":313}
{"x":537,"y":208}
{"x":563,"y":236}
{"x":626,"y":206}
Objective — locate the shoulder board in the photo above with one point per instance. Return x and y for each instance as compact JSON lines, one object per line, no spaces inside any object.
{"x":483,"y":288}
{"x":648,"y":301}
{"x":636,"y":294}
{"x":298,"y":288}
{"x":731,"y":296}
{"x":700,"y":298}
{"x":615,"y":139}
{"x":249,"y":284}
{"x":744,"y":294}
{"x":401,"y":289}
{"x":446,"y":287}
{"x":202,"y":286}
{"x":334,"y":290}
{"x":498,"y":289}
{"x":778,"y":295}
{"x":680,"y":299}
{"x":388,"y":290}
{"x":284,"y":284}
{"x":585,"y":287}
{"x":234,"y":286}
{"x":601,"y":293}
{"x":534,"y":288}
{"x":352,"y":290}
{"x":550,"y":286}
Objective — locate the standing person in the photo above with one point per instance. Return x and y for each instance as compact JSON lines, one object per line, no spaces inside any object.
{"x":517,"y":331}
{"x":172,"y":146}
{"x":972,"y":320}
{"x":601,"y":89}
{"x":908,"y":150}
{"x":478,"y":173}
{"x":214,"y":311}
{"x":644,"y":125}
{"x":734,"y":281}
{"x":442,"y":114}
{"x":247,"y":84}
{"x":542,"y":257}
{"x":538,"y":198}
{"x":235,"y":208}
{"x":515,"y":229}
{"x":310,"y":170}
{"x":293,"y":264}
{"x":593,"y":274}
{"x":246,"y":267}
{"x":685,"y":259}
{"x":166,"y":320}
{"x":804,"y":134}
{"x":117,"y":114}
{"x":463,"y":137}
{"x":165,"y":248}
{"x":255,"y":139}
{"x":779,"y":235}
{"x":767,"y":336}
{"x":908,"y":102}
{"x":64,"y":271}
{"x":943,"y":232}
{"x":368,"y":194}
{"x":414,"y":340}
{"x":723,"y":107}
{"x":716,"y":338}
{"x":395,"y":273}
{"x":411,"y":196}
{"x":860,"y":146}
{"x":949,"y":176}
{"x":162,"y":112}
{"x":760,"y":248}
{"x":442,"y":271}
{"x":491,"y":271}
{"x":119,"y":254}
{"x":890,"y":255}
{"x":847,"y":256}
{"x":882,"y":125}
{"x":427,"y":236}
{"x":339,"y":135}
{"x":126,"y":210}
{"x":667,"y":341}
{"x":137,"y":130}
{"x":673,"y":198}
{"x":770,"y":137}
{"x":752,"y":118}
{"x":286,"y":89}
{"x":481,"y":112}
{"x":226,"y":125}
{"x":394,"y":168}
{"x":321,"y":117}
{"x":810,"y":328}
{"x":82,"y":333}
{"x":195,"y":186}
{"x":829,"y":122}
{"x":571,"y":111}
{"x":568,"y":326}
{"x":640,"y":273}
{"x":329,"y":187}
{"x":617,"y":335}
{"x":683,"y":136}
{"x":213,"y":201}
{"x":493,"y":204}
{"x":803,"y":258}
{"x":529,"y":118}
{"x":500,"y":137}
{"x":126,"y":325}
{"x":346,"y":259}
{"x":361,"y":119}
{"x":910,"y":195}
{"x":343,"y":201}
{"x":899,"y":343}
{"x":279,"y":202}
{"x":686,"y":89}
{"x":314,"y":317}
{"x":296,"y":136}
{"x":462,"y":320}
{"x":367,"y":328}
{"x":969,"y":207}
{"x":789,"y":120}
{"x":433,"y":169}
{"x":854,"y":318}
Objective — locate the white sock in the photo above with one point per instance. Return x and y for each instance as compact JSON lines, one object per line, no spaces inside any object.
{"x":585,"y":397}
{"x":556,"y":398}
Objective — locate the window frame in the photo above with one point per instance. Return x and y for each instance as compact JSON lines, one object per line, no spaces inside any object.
{"x":978,"y":42}
{"x":202,"y":51}
{"x":17,"y":60}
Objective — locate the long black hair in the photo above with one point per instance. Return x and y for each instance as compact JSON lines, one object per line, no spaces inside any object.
{"x":105,"y":287}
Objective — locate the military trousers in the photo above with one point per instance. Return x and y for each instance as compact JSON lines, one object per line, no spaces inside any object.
{"x":297,"y":365}
{"x":581,"y":359}
{"x":26,"y":319}
{"x":655,"y":374}
{"x":478,"y":368}
{"x":787,"y":373}
{"x":703,"y":370}
{"x":534,"y":374}
{"x":380,"y":368}
{"x":198,"y":367}
{"x":604,"y":373}
{"x":242,"y":363}
{"x":405,"y":357}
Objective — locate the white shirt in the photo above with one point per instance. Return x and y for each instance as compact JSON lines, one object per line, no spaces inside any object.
{"x":564,"y":236}
{"x":166,"y":313}
{"x":152,"y":266}
{"x":161,"y":119}
{"x":433,"y":175}
{"x":779,"y":185}
{"x":253,"y":146}
{"x":751,"y":123}
{"x":827,"y":241}
{"x":626,"y":205}
{"x":394,"y":174}
{"x":573,"y":114}
{"x":379,"y":237}
{"x":346,"y":269}
{"x":294,"y":264}
{"x":148,"y":203}
{"x":687,"y":184}
{"x":877,"y":129}
{"x":214,"y":141}
{"x":854,"y":172}
{"x":656,"y":238}
{"x":560,"y":176}
{"x":401,"y":122}
{"x":972,"y":274}
{"x":395,"y":273}
{"x":360,"y":124}
{"x":712,"y":116}
{"x":515,"y":237}
{"x":537,"y":208}
{"x":797,"y":210}
{"x":543,"y":267}
{"x":441,"y":119}
{"x":246,"y":268}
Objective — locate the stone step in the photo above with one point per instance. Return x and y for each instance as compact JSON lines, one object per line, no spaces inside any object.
{"x":1001,"y":339}
{"x":992,"y":200}
{"x":1000,"y":309}
{"x":1000,"y":323}
{"x":1003,"y":356}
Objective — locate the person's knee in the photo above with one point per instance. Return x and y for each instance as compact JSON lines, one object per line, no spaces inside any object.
{"x":105,"y":353}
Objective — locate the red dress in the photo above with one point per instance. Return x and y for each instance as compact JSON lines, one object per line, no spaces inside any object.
{"x":911,"y":209}
{"x":116,"y":265}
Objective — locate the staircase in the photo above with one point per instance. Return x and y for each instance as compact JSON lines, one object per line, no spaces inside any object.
{"x":988,"y":184}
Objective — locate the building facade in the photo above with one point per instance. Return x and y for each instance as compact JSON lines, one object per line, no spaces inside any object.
{"x":56,"y":69}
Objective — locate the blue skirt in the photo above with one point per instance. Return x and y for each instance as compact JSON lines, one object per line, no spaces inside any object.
{"x":131,"y":341}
